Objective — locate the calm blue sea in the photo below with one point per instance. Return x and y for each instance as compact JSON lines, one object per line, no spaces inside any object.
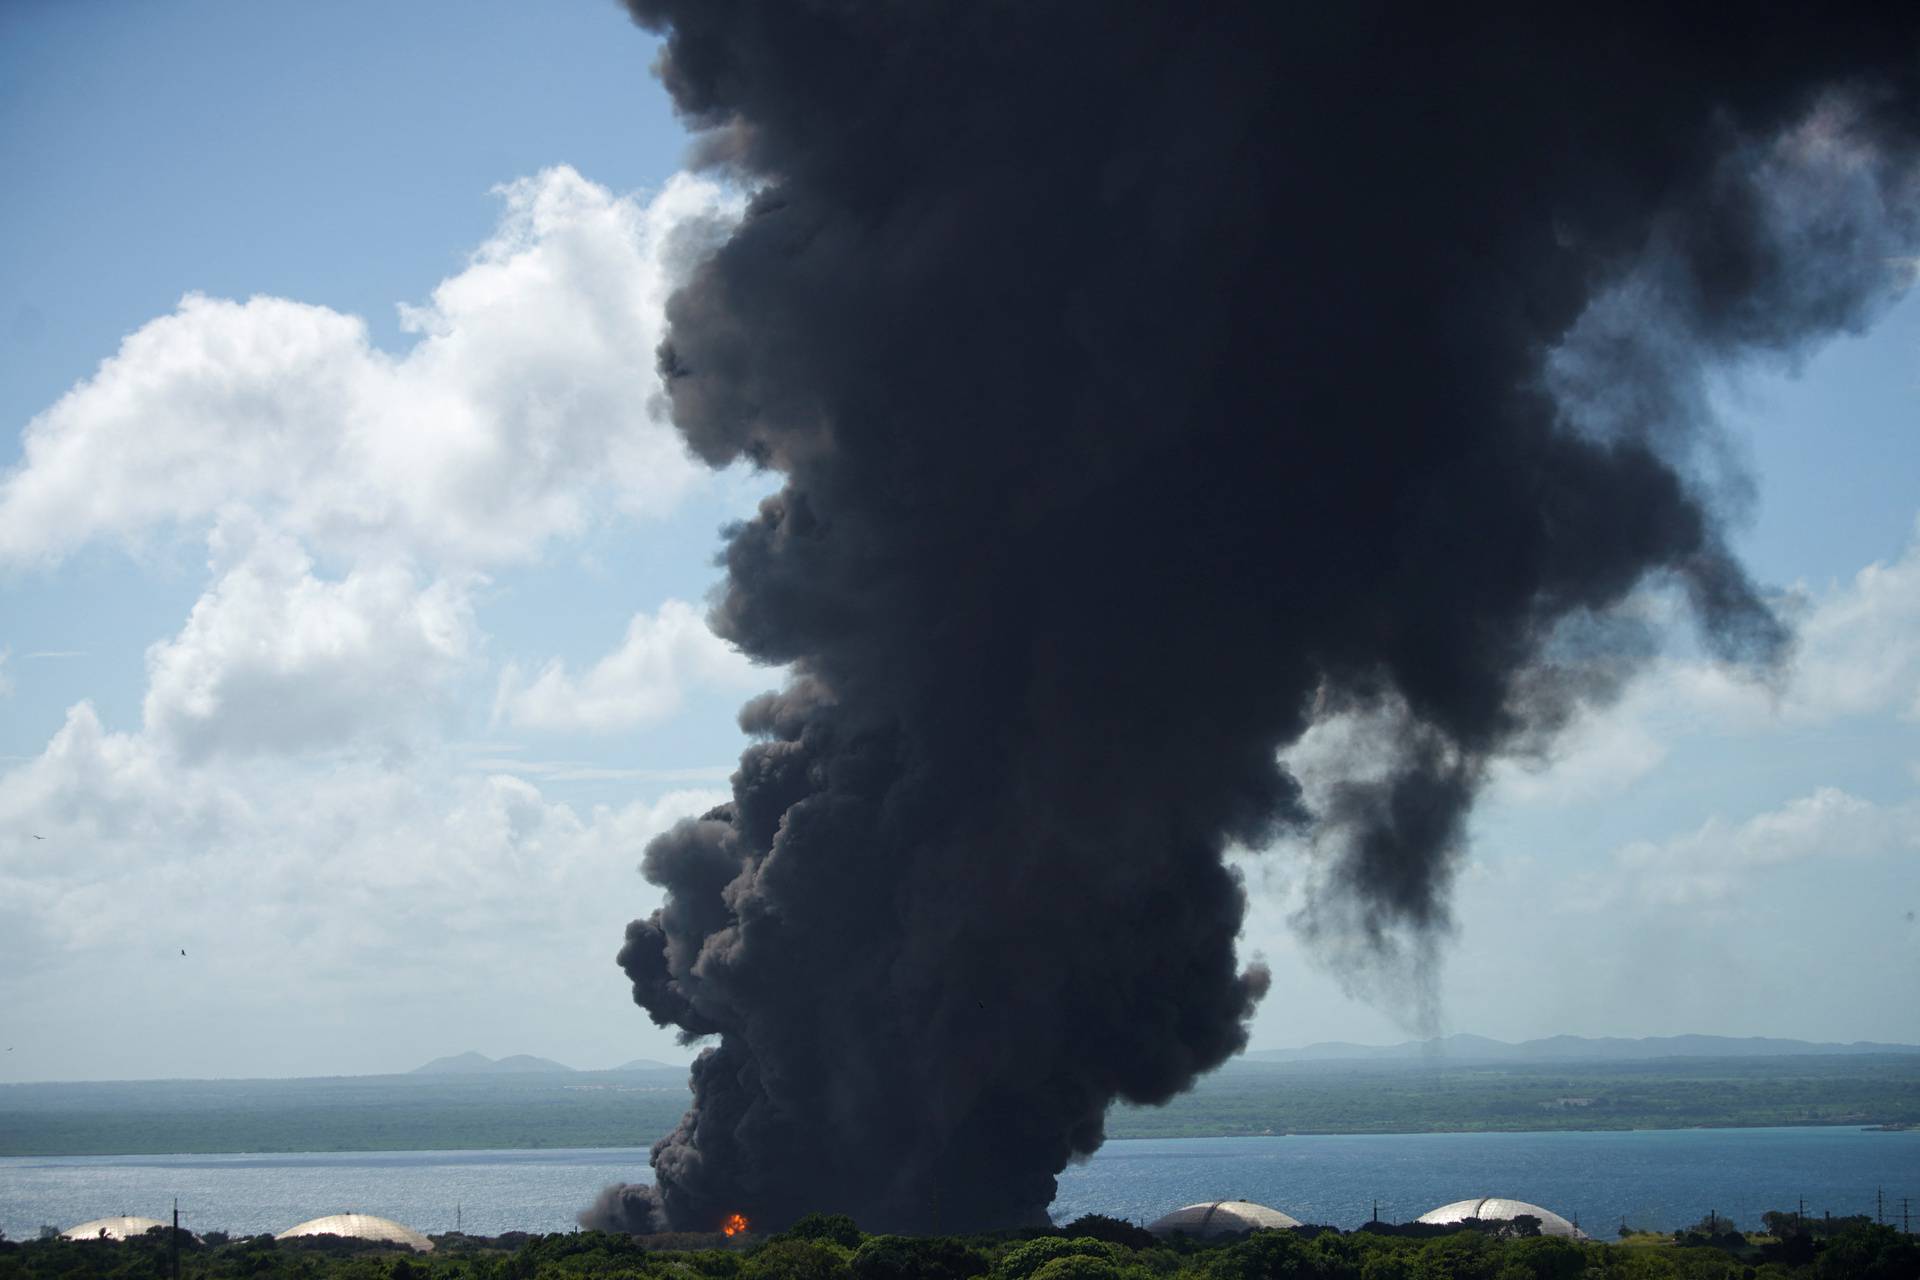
{"x":1653,"y":1179}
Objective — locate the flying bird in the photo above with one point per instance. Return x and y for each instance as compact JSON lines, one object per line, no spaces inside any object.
{"x":39,"y":837}
{"x":183,"y":951}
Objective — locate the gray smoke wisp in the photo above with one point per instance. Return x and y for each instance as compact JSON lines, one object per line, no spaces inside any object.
{"x":1150,"y":382}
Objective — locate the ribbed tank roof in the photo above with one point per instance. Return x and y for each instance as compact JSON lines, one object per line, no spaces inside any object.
{"x":360,"y":1226}
{"x":121,"y":1228}
{"x":1220,"y":1218}
{"x":1501,"y":1209}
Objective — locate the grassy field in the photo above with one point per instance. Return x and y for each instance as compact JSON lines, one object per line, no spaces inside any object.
{"x":622,"y":1109}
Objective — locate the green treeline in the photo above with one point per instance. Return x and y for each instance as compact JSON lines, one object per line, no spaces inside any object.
{"x":631,"y":1109}
{"x":1094,"y":1248}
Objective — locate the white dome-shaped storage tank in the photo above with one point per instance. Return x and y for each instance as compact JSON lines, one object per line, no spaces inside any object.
{"x":360,"y":1226}
{"x":1221,"y":1218}
{"x":124,"y":1227}
{"x":1501,"y":1209}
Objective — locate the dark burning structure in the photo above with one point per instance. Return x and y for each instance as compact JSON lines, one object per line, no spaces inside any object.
{"x":1150,"y":381}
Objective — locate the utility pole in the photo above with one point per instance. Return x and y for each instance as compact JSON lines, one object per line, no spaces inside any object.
{"x":1800,"y":1215}
{"x":176,"y":1238}
{"x":1879,"y":1204}
{"x":1376,"y":1209}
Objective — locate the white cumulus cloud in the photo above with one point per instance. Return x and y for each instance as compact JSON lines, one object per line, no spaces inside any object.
{"x":288,"y":811}
{"x":351,"y":497}
{"x":1861,"y":645}
{"x":275,"y":658}
{"x":1721,"y":860}
{"x":641,"y":682}
{"x":297,"y":890}
{"x":527,"y":407}
{"x":1856,"y":654}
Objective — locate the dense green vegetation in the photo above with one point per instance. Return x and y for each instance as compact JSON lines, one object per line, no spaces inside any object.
{"x":625,"y":1109}
{"x":833,"y":1248}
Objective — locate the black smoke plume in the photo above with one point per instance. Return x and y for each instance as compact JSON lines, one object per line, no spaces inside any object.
{"x":1149,"y":383}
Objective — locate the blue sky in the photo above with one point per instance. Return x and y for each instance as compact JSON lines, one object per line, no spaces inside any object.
{"x":350,"y":592}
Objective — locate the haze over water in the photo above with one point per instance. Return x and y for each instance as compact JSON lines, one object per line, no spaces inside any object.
{"x":1660,"y":1179}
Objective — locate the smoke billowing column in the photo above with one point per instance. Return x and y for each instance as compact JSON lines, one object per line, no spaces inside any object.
{"x":1150,"y":381}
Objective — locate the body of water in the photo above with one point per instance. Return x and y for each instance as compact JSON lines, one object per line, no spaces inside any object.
{"x":1658,"y":1179}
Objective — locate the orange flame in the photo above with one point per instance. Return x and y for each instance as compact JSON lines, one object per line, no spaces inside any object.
{"x":735,"y":1224}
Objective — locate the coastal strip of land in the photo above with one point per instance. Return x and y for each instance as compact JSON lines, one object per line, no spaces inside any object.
{"x":630,"y":1108}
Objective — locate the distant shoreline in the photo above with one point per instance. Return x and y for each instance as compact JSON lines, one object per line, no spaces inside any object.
{"x":613,"y":1110}
{"x":1864,"y":1126}
{"x":641,"y":1149}
{"x":1460,"y":1050}
{"x":645,"y":1146}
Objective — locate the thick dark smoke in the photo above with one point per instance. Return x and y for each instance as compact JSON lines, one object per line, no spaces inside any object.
{"x":1151,"y":382}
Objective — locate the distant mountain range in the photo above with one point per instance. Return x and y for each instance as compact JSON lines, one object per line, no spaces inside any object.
{"x":475,"y":1064}
{"x":1471,"y":1048}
